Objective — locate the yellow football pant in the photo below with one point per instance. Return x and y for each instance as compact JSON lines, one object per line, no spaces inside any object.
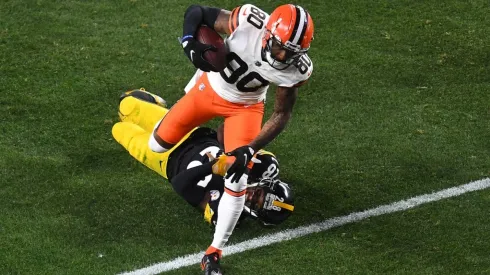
{"x":138,"y":119}
{"x":141,"y":113}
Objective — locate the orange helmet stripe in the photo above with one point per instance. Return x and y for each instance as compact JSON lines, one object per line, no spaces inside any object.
{"x":300,"y":25}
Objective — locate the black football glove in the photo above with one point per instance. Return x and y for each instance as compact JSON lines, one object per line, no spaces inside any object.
{"x":243,"y":156}
{"x":195,"y":52}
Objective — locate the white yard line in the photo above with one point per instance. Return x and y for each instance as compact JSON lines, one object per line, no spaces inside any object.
{"x":316,"y":227}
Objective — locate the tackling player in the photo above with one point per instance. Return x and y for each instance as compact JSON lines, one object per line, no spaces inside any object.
{"x":192,"y":167}
{"x":263,"y":49}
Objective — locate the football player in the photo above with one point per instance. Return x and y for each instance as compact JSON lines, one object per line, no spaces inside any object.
{"x":195,"y":167}
{"x":263,"y":49}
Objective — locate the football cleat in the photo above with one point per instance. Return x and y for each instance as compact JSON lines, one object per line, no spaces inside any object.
{"x":210,"y":264}
{"x":142,"y":94}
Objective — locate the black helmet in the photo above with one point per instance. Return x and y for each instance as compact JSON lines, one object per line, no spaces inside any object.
{"x":272,"y":201}
{"x":265,"y":166}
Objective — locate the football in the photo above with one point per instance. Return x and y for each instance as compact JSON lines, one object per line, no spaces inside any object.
{"x":207,"y":35}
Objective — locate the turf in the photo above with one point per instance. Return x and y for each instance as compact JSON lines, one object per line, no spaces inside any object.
{"x":397,"y":106}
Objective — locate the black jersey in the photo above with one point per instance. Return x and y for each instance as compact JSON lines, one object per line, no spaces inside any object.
{"x":190,"y":150}
{"x":190,"y":171}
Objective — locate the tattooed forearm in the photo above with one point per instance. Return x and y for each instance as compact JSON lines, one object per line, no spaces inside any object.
{"x":283,"y":109}
{"x":276,"y":123}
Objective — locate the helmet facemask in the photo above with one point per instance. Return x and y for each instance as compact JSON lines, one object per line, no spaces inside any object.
{"x":269,"y":201}
{"x":272,"y":48}
{"x":254,"y":200}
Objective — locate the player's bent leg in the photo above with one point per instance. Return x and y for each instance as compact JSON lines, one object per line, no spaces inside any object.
{"x":142,"y":113}
{"x":192,"y":110}
{"x":135,"y":140}
{"x":240,"y":129}
{"x":229,"y":210}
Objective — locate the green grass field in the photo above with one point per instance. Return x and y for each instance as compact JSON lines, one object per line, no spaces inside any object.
{"x":398,"y":105}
